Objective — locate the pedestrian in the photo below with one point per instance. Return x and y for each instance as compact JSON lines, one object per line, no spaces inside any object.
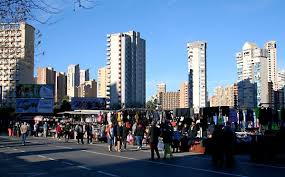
{"x":119,"y":136}
{"x":167,"y":140}
{"x":79,"y":131}
{"x":139,"y":133}
{"x":217,"y":147}
{"x":110,"y":135}
{"x":125,"y":135}
{"x":88,"y":129}
{"x":66,"y":132}
{"x":153,"y":135}
{"x":24,"y":130}
{"x":45,"y":127}
{"x":36,"y":125}
{"x":229,"y":143}
{"x":58,"y":131}
{"x":176,"y":140}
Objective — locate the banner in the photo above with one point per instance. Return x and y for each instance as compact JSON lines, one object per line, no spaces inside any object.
{"x":35,"y":91}
{"x":78,"y":103}
{"x":34,"y":105}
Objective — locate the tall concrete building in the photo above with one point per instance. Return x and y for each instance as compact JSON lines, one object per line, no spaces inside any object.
{"x":280,"y":93}
{"x":183,"y":95}
{"x":281,"y":79}
{"x":252,"y":76}
{"x":272,"y":63}
{"x":16,"y":58}
{"x":45,"y":75}
{"x":197,"y":74}
{"x":73,"y":80}
{"x":84,"y":76}
{"x":126,"y":69}
{"x":88,"y":89}
{"x":170,"y":100}
{"x":161,"y":88}
{"x":60,"y":87}
{"x":102,"y":82}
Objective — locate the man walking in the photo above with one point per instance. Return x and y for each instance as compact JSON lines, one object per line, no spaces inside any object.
{"x":24,"y":130}
{"x":153,"y":135}
{"x":88,"y":130}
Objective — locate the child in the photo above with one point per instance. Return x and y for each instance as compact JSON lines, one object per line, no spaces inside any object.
{"x":130,"y":138}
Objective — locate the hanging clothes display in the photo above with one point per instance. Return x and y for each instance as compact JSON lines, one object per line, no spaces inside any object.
{"x":241,"y":117}
{"x":233,"y":115}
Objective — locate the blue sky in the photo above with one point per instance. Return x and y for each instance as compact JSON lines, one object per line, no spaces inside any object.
{"x":166,"y":25}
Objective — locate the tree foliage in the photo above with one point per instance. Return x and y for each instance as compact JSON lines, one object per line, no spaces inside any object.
{"x":12,"y":11}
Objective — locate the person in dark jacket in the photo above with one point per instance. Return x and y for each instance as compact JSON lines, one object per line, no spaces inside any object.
{"x":167,"y":140}
{"x":119,"y":136}
{"x":88,"y":130}
{"x":217,"y":146}
{"x":125,"y":135}
{"x":139,"y":133}
{"x":229,"y":144}
{"x":153,"y":135}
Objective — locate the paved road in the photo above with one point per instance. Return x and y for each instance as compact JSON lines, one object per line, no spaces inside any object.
{"x":51,"y":158}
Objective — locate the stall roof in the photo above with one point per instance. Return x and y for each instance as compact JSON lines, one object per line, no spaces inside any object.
{"x":83,"y":112}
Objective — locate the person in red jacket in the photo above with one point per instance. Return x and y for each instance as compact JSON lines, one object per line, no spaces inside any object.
{"x":58,"y":131}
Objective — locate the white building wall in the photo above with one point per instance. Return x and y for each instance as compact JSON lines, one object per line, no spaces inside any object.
{"x":197,"y":69}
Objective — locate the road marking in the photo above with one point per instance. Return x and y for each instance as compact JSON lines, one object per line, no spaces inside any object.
{"x":22,"y":151}
{"x":108,"y":174}
{"x":45,"y":157}
{"x":85,"y":168}
{"x":15,"y":149}
{"x":42,"y":156}
{"x":166,"y":164}
{"x":67,"y":163}
{"x":64,"y":147}
{"x":2,"y":146}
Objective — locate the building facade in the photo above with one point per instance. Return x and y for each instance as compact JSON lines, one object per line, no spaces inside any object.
{"x":16,"y":59}
{"x":223,"y":96}
{"x":60,"y":87}
{"x":272,"y":63}
{"x":126,"y":70}
{"x":197,"y":74}
{"x":161,"y":88}
{"x":73,"y":80}
{"x":102,"y":82}
{"x":88,"y":89}
{"x":170,"y":100}
{"x":252,"y":76}
{"x":84,"y":76}
{"x":184,"y":98}
{"x":46,"y":76}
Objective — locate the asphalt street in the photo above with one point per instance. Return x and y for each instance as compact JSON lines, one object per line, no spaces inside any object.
{"x":43,"y":157}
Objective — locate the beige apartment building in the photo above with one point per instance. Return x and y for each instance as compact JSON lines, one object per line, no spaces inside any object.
{"x":45,"y":76}
{"x":224,"y":96}
{"x":88,"y":89}
{"x":161,"y":88}
{"x":102,"y":82}
{"x":184,"y":96}
{"x":170,"y":100}
{"x":60,"y":86}
{"x":16,"y":58}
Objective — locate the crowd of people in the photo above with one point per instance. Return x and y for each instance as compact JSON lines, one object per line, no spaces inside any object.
{"x":164,"y":135}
